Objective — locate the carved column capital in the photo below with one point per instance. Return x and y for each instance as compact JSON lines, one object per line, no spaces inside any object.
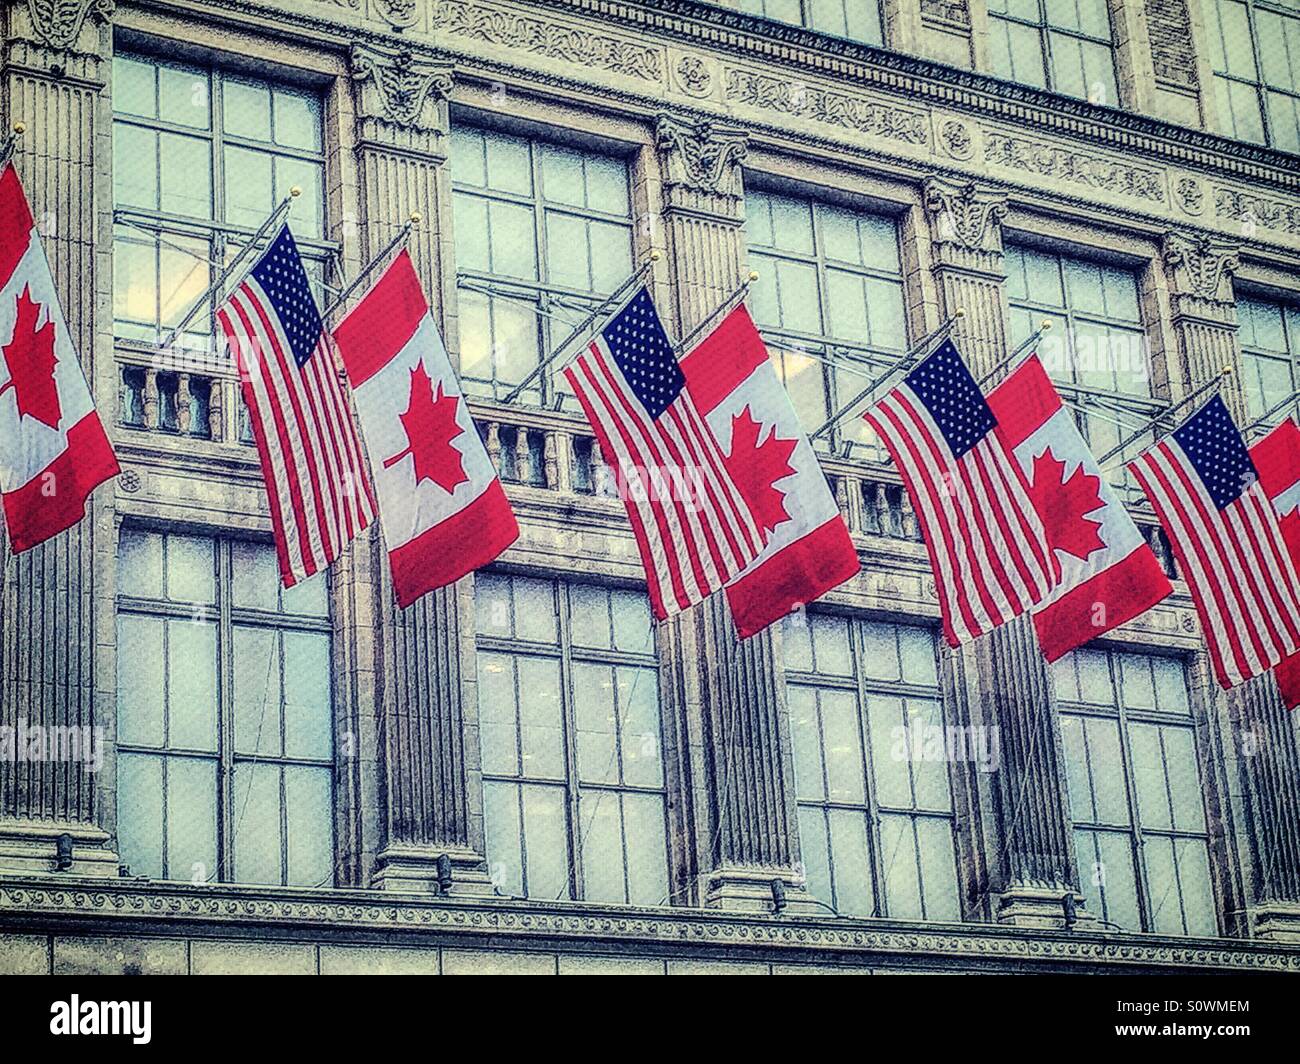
{"x":399,"y":90}
{"x":1200,"y":267}
{"x":57,"y":23}
{"x":964,"y":214}
{"x":701,"y":164}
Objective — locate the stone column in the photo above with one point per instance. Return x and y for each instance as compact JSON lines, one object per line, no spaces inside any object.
{"x":56,"y":601}
{"x":734,"y":701}
{"x":1002,"y":680}
{"x":1264,"y":748}
{"x":426,"y":731}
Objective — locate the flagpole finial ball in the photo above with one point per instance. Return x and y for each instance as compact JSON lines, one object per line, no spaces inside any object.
{"x":655,"y":256}
{"x":295,"y":192}
{"x":1227,"y":371}
{"x":753,"y":276}
{"x":1047,"y":325}
{"x":20,"y":128}
{"x":960,"y":312}
{"x":416,"y":217}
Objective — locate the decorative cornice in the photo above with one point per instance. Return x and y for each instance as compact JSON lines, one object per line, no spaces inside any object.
{"x":1256,"y":211}
{"x":701,"y":156}
{"x":1200,"y":267}
{"x":58,"y":22}
{"x":401,"y":84}
{"x":965,"y":214}
{"x":221,"y":909}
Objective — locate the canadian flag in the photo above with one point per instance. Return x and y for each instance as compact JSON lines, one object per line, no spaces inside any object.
{"x":1109,"y":574}
{"x":1277,"y":459}
{"x":443,"y":510}
{"x":807,"y":549}
{"x":53,"y":450}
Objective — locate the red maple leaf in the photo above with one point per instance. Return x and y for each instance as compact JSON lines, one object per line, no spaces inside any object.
{"x":31,"y":360}
{"x":756,"y":467}
{"x":1064,"y":506}
{"x":431,"y":426}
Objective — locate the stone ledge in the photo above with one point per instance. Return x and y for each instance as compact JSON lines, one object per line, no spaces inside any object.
{"x":87,"y":906}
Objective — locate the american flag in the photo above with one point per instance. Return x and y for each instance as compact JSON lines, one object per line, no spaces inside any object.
{"x":692,"y":525}
{"x":319,"y":492}
{"x":1228,"y":541}
{"x":987,"y":544}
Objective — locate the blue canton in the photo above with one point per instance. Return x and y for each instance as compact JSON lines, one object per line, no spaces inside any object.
{"x":280,"y":273}
{"x":641,"y":349}
{"x":949,"y":392}
{"x":1217,"y":452}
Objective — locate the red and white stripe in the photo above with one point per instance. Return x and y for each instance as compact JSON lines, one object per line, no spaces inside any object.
{"x":987,"y":544}
{"x":1237,"y":566}
{"x":319,"y":492}
{"x":692,"y":525}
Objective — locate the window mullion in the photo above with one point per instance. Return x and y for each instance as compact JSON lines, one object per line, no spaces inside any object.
{"x":225,"y":714}
{"x":568,"y":722}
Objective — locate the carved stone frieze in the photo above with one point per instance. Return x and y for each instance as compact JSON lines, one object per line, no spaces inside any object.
{"x":398,"y":87}
{"x":1084,"y":168}
{"x":554,"y":40}
{"x":863,"y":114}
{"x":1256,"y":211}
{"x":701,"y":156}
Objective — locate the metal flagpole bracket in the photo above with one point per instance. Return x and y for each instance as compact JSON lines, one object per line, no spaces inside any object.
{"x":736,"y":295}
{"x":921,"y":349}
{"x":1044,"y":327}
{"x":403,"y":235}
{"x":277,"y":215}
{"x":605,"y":308}
{"x":1133,"y":437}
{"x":11,"y":142}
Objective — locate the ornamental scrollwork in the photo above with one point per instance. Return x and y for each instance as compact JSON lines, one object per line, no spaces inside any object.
{"x":58,"y":22}
{"x":701,"y":156}
{"x":401,"y":82}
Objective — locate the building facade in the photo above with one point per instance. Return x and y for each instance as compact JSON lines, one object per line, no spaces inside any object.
{"x":522,"y":772}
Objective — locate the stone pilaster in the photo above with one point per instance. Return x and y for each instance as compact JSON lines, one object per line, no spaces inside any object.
{"x":746,"y":825}
{"x":1002,"y":680}
{"x":1199,"y":273}
{"x":56,"y":601}
{"x":425,"y":729}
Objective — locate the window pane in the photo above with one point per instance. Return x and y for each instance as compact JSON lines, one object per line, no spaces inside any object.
{"x":140,"y":814}
{"x":898,"y":852}
{"x":816,"y":859}
{"x":938,"y":869}
{"x":805,"y":733}
{"x":308,"y":724}
{"x":602,"y":848}
{"x":140,"y":662}
{"x":192,"y":819}
{"x":509,"y":164}
{"x":192,"y":679}
{"x":135,"y":167}
{"x":504,"y":837}
{"x":257,"y":824}
{"x":851,"y":862}
{"x":638,"y":706}
{"x":534,"y":610}
{"x":309,"y":807}
{"x":890,"y":751}
{"x":647,"y":849}
{"x":845,"y":770}
{"x":597,"y":723}
{"x":545,"y":839}
{"x":256,"y":576}
{"x":140,"y":563}
{"x":1199,"y":911}
{"x":250,"y":195}
{"x":633,"y":626}
{"x":186,"y":186}
{"x":297,"y":120}
{"x":497,"y":721}
{"x":541,"y":723}
{"x":133,"y":87}
{"x":257,"y":691}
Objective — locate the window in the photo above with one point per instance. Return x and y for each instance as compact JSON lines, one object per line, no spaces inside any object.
{"x":224,"y":721}
{"x":573,"y":774}
{"x":1255,"y":54}
{"x":1270,"y":347}
{"x":875,"y":824}
{"x":200,"y":160}
{"x":1062,"y":45}
{"x":1135,"y":791}
{"x":830,"y":288}
{"x":1096,"y":349}
{"x":549,"y":230}
{"x":858,"y":20}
